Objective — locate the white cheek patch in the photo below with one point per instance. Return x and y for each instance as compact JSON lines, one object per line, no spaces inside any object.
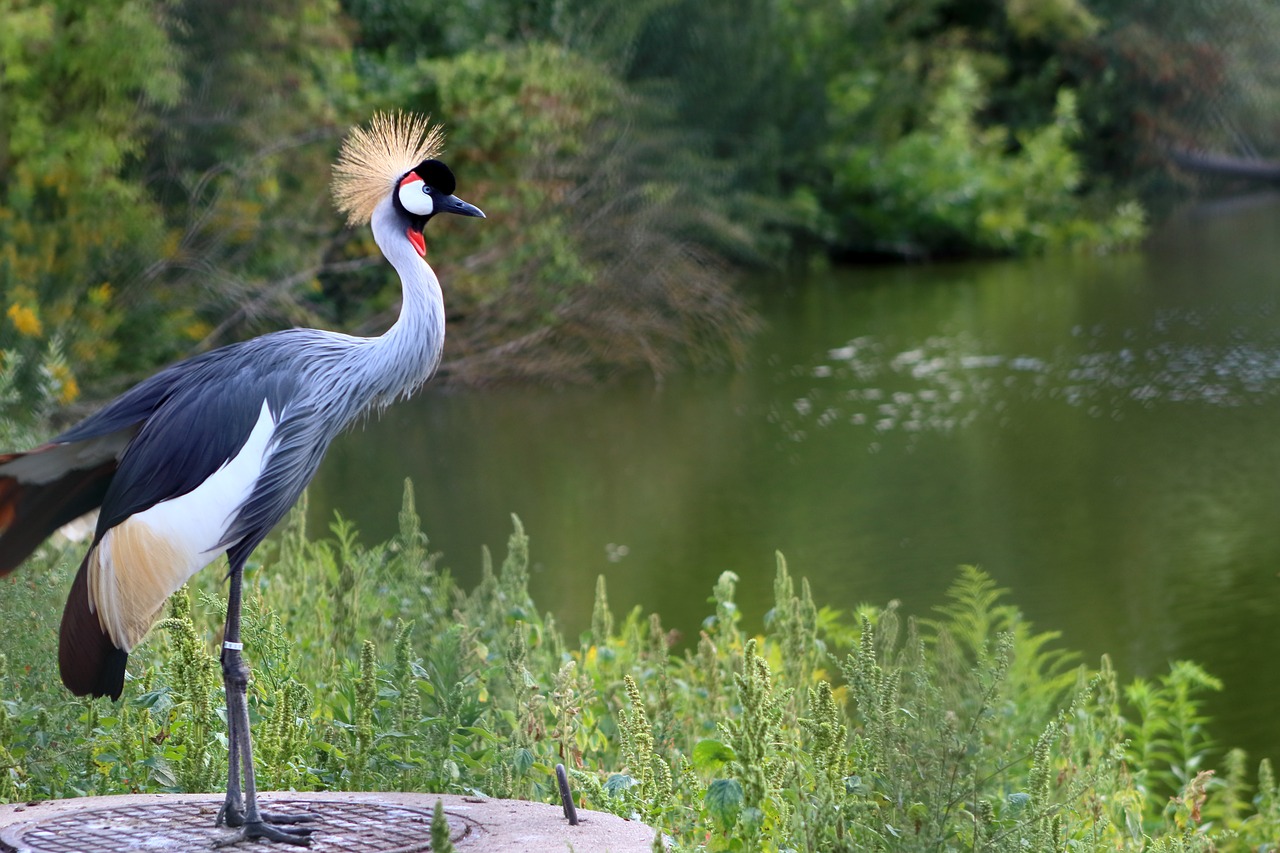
{"x":414,"y":196}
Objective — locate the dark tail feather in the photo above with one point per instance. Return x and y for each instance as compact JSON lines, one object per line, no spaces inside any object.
{"x":90,"y":663}
{"x":30,"y":512}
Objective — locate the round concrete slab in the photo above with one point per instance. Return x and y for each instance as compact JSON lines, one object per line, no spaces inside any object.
{"x":350,"y":822}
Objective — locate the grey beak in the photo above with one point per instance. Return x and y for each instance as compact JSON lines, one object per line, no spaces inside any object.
{"x":453,"y":204}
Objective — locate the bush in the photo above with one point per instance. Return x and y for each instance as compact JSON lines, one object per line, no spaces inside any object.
{"x":953,"y":185}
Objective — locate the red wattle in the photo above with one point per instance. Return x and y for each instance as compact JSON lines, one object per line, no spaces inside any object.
{"x":419,"y":243}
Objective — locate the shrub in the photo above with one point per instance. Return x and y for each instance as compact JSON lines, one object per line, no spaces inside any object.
{"x":953,"y":185}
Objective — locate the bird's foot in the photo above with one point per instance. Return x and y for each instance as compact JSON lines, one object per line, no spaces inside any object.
{"x":252,"y":830}
{"x":232,"y":814}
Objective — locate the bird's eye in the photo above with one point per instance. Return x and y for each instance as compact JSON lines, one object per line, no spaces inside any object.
{"x":415,"y":196}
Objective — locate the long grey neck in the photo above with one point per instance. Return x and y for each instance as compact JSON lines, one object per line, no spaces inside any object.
{"x":404,"y":357}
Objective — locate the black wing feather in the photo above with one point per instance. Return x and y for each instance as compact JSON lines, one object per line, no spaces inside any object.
{"x":204,"y":420}
{"x":132,"y":407}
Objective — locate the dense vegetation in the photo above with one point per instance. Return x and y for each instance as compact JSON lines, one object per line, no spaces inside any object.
{"x":172,"y":195}
{"x":831,"y":731}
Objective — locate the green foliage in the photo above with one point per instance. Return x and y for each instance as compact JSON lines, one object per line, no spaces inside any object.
{"x":953,"y":185}
{"x":173,"y":196}
{"x":1169,"y":733}
{"x":966,"y":731}
{"x":754,"y":737}
{"x":441,"y":842}
{"x":545,"y":137}
{"x":240,"y":164}
{"x":149,"y":195}
{"x":76,"y":227}
{"x":28,"y":396}
{"x":895,"y":127}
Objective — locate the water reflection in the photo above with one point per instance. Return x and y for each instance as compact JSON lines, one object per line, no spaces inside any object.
{"x":1100,"y":434}
{"x":946,"y":382}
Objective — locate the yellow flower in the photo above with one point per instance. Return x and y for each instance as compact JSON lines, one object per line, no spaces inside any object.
{"x":172,"y":244}
{"x":68,"y":388}
{"x":196,"y":330}
{"x":25,"y":320}
{"x":69,"y":391}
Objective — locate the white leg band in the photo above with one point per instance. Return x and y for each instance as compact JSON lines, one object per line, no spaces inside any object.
{"x":234,"y":646}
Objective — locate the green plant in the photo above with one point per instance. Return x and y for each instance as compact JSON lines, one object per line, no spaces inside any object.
{"x":1169,"y":733}
{"x":950,"y":183}
{"x":828,"y":732}
{"x":440,"y":839}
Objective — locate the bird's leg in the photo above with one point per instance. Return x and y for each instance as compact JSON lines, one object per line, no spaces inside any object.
{"x":242,"y":810}
{"x":232,"y":811}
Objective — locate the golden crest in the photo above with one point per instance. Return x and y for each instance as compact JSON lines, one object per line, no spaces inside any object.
{"x":374,"y":158}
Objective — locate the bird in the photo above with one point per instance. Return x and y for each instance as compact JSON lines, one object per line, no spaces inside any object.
{"x":207,"y":455}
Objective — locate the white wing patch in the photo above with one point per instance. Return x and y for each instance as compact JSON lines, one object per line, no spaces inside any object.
{"x":147,"y":557}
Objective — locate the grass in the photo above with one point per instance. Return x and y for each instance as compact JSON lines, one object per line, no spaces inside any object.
{"x":868,"y":730}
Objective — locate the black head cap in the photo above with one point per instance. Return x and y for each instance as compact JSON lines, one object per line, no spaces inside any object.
{"x":437,"y":175}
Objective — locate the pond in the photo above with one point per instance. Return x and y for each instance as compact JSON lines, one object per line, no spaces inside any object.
{"x":1101,"y":435}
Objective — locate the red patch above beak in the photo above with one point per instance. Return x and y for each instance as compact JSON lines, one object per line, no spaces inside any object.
{"x":419,"y":243}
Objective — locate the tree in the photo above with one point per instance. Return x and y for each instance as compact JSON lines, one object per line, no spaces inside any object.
{"x":78,"y":232}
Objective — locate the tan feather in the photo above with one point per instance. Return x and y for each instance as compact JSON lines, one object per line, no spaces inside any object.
{"x":132,"y":572}
{"x":373,"y":159}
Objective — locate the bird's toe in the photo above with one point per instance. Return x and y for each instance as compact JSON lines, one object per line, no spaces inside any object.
{"x":260,"y":829}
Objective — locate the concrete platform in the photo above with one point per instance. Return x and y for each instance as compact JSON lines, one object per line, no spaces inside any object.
{"x":349,"y":822}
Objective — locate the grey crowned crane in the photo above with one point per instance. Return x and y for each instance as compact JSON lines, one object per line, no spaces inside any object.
{"x":206,"y":456}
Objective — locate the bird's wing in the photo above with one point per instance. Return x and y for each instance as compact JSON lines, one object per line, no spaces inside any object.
{"x":182,"y":486}
{"x":179,"y":485}
{"x":45,"y":488}
{"x":181,"y":482}
{"x":204,"y":421}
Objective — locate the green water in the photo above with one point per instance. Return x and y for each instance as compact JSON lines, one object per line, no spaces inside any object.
{"x":1102,"y":435}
